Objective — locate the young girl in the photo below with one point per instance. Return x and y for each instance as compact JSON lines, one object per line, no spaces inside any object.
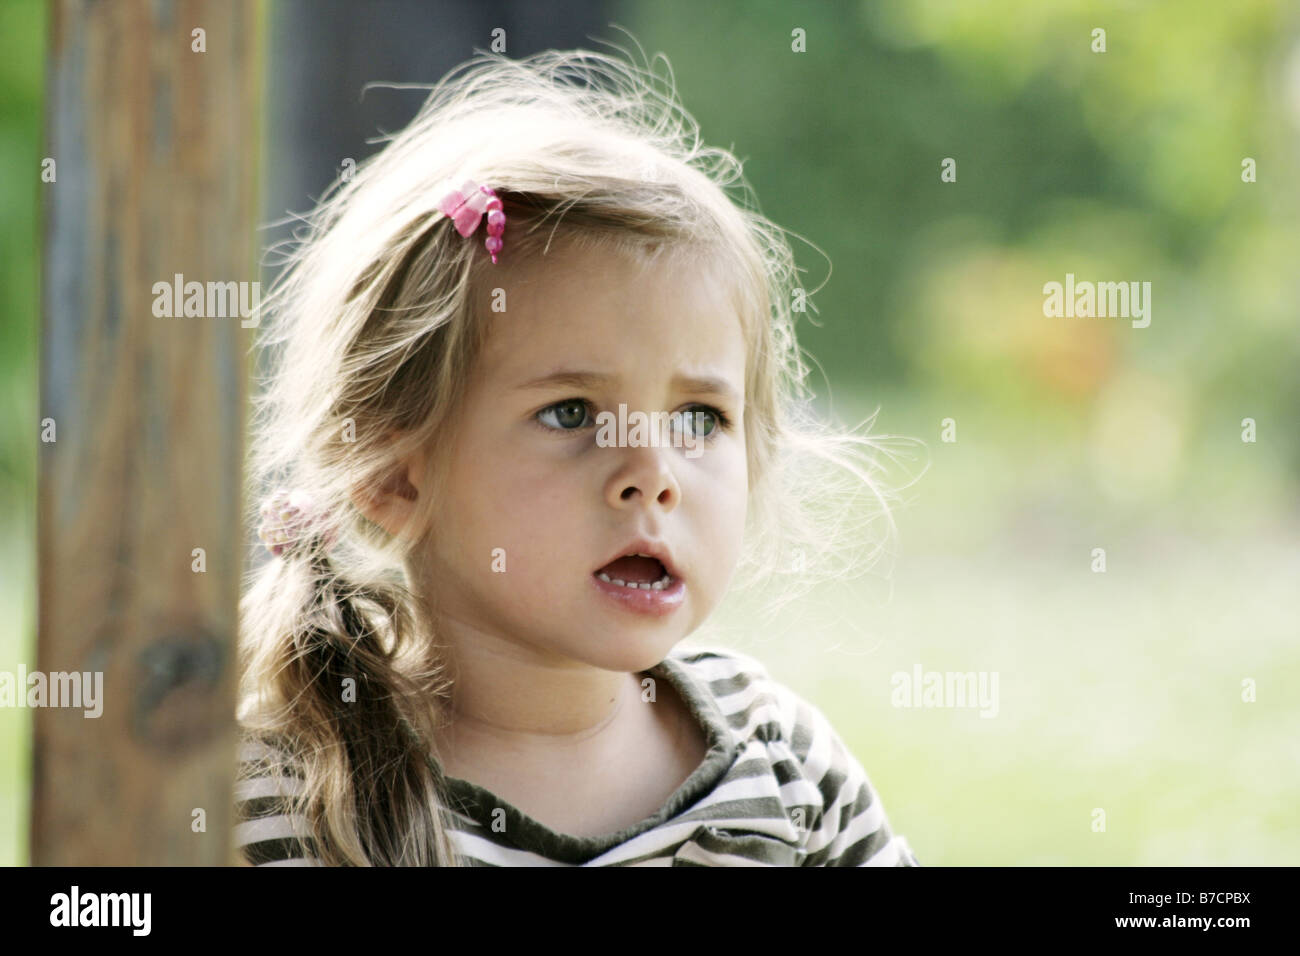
{"x":535,"y":398}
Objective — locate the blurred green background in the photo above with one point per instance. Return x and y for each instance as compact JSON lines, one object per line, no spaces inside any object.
{"x":1119,"y":690}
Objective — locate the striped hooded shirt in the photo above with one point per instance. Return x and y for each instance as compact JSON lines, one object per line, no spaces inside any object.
{"x":777,"y":788}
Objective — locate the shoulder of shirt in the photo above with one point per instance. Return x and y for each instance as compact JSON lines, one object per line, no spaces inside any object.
{"x":761,"y":710}
{"x":848,"y":823}
{"x":754,"y":703}
{"x":714,"y":664}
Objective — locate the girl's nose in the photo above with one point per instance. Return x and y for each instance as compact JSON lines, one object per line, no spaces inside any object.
{"x":644,"y":477}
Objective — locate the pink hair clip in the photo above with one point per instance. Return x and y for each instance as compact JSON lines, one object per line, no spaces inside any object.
{"x":290,"y":518}
{"x":465,"y":207}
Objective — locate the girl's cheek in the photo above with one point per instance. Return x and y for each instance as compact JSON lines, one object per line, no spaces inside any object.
{"x":731,"y":464}
{"x":533,"y":492}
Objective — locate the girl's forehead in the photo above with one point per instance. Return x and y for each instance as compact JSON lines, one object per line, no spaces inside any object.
{"x":615,"y":315}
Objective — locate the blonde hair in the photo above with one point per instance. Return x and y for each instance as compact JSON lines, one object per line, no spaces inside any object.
{"x":370,"y":335}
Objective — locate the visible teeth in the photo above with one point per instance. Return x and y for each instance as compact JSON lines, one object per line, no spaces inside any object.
{"x":635,"y":585}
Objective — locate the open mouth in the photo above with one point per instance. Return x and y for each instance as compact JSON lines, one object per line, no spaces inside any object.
{"x":636,"y":572}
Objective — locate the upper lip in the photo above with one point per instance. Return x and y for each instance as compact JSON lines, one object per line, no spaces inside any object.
{"x":656,"y":549}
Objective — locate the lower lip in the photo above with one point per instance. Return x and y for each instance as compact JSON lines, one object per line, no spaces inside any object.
{"x":650,"y":602}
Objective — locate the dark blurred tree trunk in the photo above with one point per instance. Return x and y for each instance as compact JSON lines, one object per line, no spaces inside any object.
{"x":323,"y":52}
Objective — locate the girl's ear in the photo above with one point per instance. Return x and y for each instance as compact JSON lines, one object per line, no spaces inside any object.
{"x":391,"y":503}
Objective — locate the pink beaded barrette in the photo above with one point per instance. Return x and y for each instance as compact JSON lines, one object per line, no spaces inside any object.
{"x":290,"y":518}
{"x":465,"y":207}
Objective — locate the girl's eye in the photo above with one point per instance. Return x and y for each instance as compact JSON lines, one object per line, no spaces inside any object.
{"x":569,"y":415}
{"x":701,"y":421}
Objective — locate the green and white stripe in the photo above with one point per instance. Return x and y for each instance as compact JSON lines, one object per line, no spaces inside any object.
{"x":773,"y":761}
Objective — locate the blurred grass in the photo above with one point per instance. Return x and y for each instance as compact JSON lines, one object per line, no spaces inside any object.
{"x":1119,"y":690}
{"x":22,"y":52}
{"x":17,"y":594}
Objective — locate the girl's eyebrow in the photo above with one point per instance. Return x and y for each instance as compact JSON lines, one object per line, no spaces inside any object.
{"x":580,"y":378}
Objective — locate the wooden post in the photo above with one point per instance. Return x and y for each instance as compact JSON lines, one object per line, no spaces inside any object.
{"x":152,"y":125}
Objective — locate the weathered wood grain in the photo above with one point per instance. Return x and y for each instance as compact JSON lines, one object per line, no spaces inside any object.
{"x":156,"y":150}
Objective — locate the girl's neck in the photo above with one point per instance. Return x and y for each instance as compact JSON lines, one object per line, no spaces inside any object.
{"x":508,"y":703}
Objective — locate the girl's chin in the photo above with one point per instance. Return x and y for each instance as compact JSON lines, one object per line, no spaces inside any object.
{"x":611,"y":645}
